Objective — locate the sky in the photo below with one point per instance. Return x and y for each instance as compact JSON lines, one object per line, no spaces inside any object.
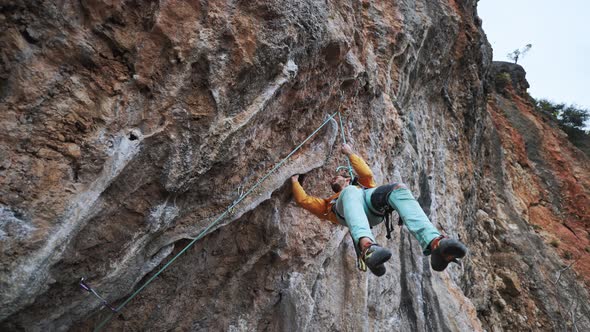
{"x":558,"y":63}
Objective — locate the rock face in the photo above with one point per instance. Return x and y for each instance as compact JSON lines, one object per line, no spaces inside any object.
{"x":127,"y":128}
{"x":540,"y":199}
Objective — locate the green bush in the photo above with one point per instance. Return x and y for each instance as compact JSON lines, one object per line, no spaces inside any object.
{"x":571,"y":119}
{"x":502,"y":80}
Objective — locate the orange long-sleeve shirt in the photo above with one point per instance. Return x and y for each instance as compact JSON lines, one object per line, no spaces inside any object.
{"x":322,"y":207}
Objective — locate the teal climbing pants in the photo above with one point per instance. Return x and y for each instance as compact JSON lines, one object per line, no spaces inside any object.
{"x":354,"y":210}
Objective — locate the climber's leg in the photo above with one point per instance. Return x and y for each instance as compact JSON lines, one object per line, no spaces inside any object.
{"x":351,"y":206}
{"x":413,"y":216}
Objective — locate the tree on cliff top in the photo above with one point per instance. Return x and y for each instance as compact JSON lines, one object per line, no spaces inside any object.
{"x":514,"y":55}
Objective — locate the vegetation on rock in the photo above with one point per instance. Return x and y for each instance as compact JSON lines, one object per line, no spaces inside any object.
{"x":570,"y":118}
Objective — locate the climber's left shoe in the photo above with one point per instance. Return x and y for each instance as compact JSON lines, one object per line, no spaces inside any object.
{"x":445,"y":251}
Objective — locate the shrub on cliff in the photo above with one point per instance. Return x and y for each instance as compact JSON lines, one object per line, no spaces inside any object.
{"x":502,"y":80}
{"x":571,"y":119}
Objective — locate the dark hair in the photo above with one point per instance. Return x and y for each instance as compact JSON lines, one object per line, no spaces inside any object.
{"x":345,"y":175}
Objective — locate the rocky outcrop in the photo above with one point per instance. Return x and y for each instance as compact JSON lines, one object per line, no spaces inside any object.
{"x":127,"y":128}
{"x":541,"y":197}
{"x":509,"y":77}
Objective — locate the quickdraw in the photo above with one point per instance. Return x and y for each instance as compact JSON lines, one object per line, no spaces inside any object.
{"x":89,"y":289}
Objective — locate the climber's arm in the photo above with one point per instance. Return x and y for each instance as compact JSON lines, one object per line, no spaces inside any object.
{"x":360,"y":167}
{"x":313,"y":204}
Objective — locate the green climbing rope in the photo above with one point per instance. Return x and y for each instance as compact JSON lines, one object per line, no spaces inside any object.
{"x":204,"y":232}
{"x":344,"y":141}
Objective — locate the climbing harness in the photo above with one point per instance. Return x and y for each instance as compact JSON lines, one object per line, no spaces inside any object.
{"x":89,"y":289}
{"x":381,"y":208}
{"x":206,"y":230}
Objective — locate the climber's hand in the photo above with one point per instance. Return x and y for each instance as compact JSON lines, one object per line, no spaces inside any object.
{"x":298,"y":178}
{"x":347,"y":149}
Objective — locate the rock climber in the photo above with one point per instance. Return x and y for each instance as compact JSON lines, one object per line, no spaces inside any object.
{"x":359,"y":204}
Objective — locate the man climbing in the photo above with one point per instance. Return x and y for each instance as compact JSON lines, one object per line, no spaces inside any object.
{"x":361,"y":208}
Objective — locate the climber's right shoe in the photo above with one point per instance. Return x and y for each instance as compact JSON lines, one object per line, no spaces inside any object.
{"x":374,"y":256}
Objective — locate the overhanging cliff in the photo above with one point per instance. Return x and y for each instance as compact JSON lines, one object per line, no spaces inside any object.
{"x":126,"y":129}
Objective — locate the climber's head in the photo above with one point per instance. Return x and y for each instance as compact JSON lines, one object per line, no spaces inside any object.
{"x":341,"y":179}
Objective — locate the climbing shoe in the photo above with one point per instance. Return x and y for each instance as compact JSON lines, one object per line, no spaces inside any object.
{"x":374,"y":256}
{"x":378,"y":270}
{"x":444,"y":251}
